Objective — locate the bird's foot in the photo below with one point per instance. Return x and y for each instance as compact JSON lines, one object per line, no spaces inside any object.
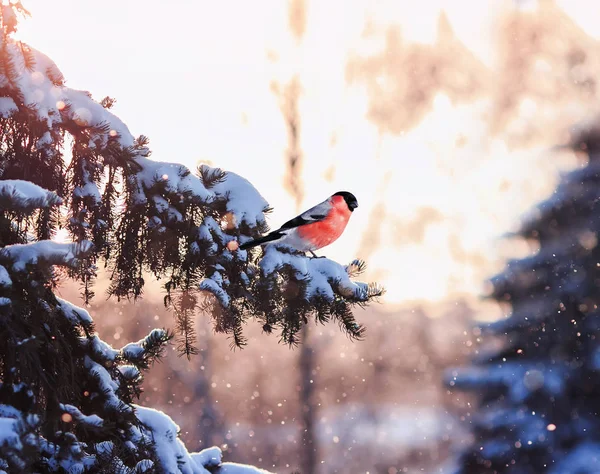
{"x":314,"y":255}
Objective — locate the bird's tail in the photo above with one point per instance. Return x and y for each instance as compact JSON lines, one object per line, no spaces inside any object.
{"x":262,"y":240}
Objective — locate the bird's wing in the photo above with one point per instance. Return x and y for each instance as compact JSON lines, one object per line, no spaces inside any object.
{"x":314,"y":214}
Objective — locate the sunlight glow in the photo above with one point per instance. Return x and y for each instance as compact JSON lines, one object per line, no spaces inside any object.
{"x":444,"y":188}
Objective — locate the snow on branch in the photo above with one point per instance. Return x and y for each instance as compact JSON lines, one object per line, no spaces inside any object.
{"x":145,"y":351}
{"x":20,"y":256}
{"x":16,"y":426}
{"x":75,"y":314}
{"x":30,"y":208}
{"x":514,"y":379}
{"x":89,"y":421}
{"x":283,"y":288}
{"x":173,"y":456}
{"x":324,"y":277}
{"x":22,"y":196}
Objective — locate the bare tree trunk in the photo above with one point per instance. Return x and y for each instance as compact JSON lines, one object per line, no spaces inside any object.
{"x":209,"y":421}
{"x":309,"y":448}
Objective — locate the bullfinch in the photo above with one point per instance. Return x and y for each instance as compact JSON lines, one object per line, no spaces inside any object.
{"x":313,"y":229}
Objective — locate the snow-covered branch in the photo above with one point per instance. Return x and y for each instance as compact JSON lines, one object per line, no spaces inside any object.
{"x":172,"y":454}
{"x":45,"y":252}
{"x":17,"y":195}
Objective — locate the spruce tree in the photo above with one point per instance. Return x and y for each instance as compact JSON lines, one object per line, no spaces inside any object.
{"x":538,"y":391}
{"x":66,"y":161}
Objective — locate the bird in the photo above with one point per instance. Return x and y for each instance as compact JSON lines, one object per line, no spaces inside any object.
{"x":315,"y":228}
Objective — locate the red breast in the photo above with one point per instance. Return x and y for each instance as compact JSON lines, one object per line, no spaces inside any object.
{"x":328,"y":230}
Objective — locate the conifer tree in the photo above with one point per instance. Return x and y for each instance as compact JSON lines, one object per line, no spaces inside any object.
{"x":67,"y":397}
{"x":538,"y":392}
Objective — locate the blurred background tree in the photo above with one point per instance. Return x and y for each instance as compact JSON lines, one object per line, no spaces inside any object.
{"x":536,"y":373}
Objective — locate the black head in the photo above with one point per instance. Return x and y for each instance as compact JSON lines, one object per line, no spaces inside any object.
{"x":349,"y":198}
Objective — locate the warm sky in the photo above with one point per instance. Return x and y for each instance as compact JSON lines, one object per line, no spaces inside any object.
{"x":436,"y":188}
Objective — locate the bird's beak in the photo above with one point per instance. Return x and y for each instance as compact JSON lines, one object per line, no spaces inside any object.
{"x":354,"y":205}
